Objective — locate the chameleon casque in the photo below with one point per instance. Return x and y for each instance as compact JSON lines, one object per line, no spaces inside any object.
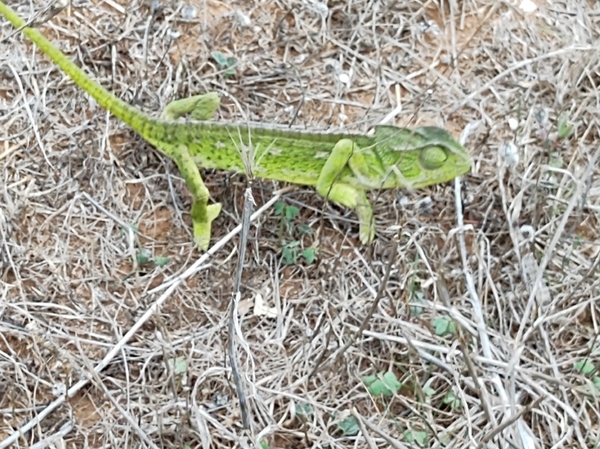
{"x":342,"y":167}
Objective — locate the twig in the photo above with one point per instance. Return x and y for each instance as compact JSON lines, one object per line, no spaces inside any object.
{"x":234,"y":327}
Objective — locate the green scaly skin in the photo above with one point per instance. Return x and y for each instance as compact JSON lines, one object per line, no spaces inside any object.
{"x":340,"y":166}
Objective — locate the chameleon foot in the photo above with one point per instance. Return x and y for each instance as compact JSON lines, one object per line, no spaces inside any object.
{"x":200,"y":107}
{"x":366,"y":232}
{"x":202,"y":229}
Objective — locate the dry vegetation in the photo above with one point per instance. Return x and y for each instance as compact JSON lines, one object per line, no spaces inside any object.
{"x":491,"y":327}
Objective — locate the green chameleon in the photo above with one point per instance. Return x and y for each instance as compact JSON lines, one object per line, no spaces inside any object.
{"x":342,"y":167}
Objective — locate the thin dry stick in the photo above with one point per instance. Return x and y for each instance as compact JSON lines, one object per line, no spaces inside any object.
{"x":234,"y":328}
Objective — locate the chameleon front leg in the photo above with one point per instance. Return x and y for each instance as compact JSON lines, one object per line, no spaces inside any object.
{"x":202,"y":213}
{"x":345,"y":194}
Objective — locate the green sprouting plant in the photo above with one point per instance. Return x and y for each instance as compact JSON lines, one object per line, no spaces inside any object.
{"x":293,"y":250}
{"x":565,"y":129}
{"x":144,"y":257}
{"x":382,"y":384}
{"x":287,"y":214}
{"x":303,"y":411}
{"x":452,"y":400}
{"x":586,"y":367}
{"x":590,"y":370}
{"x":349,"y":426}
{"x":225,"y":63}
{"x":444,"y":325}
{"x":416,"y":436}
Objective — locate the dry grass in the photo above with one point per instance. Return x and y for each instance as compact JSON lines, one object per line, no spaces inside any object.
{"x":519,"y":278}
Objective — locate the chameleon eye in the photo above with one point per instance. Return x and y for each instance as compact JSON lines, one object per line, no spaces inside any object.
{"x":433,"y":157}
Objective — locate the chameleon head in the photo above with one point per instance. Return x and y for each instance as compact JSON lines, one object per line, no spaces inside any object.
{"x":421,"y":156}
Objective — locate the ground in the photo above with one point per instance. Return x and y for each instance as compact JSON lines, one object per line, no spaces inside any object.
{"x":459,"y":327}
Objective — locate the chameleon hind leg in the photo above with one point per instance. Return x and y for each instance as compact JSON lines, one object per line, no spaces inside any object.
{"x":199,"y":107}
{"x":202,"y":213}
{"x":345,"y":194}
